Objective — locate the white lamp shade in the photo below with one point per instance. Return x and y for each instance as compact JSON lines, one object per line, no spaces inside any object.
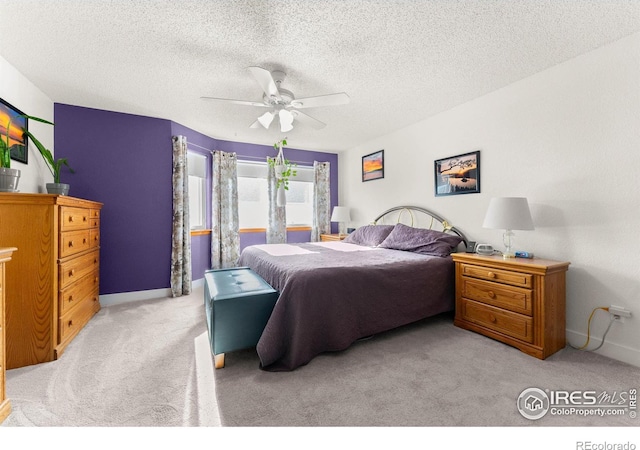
{"x":340,"y":214}
{"x":266,"y":119}
{"x":286,"y":120}
{"x":508,"y":213}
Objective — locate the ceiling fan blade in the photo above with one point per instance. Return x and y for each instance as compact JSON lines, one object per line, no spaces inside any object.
{"x":308,"y":120}
{"x":266,"y":82}
{"x":322,"y":100}
{"x":237,"y":102}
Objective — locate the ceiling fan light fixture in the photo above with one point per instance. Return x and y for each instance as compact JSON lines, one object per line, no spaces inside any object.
{"x":286,"y":120}
{"x":266,"y":119}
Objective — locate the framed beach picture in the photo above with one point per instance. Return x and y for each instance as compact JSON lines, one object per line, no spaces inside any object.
{"x":17,"y":139}
{"x":373,"y":166}
{"x":458,"y":174}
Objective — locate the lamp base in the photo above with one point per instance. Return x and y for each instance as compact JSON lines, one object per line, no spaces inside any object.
{"x":506,"y":239}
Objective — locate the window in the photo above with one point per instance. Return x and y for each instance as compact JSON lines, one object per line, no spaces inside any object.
{"x":197,"y":184}
{"x":253,"y":200}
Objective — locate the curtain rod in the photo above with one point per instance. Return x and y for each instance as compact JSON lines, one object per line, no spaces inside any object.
{"x":264,"y":159}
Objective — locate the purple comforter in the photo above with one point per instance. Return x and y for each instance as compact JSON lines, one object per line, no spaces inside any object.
{"x":333,"y":293}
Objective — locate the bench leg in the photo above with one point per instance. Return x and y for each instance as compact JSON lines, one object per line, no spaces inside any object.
{"x":219,"y":360}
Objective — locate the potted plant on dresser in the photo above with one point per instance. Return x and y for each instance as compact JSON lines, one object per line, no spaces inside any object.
{"x":54,"y":165}
{"x":8,"y":177}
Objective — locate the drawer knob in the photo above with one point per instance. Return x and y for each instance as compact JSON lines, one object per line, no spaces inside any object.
{"x":84,"y":218}
{"x":492,"y":318}
{"x":84,"y":240}
{"x":72,"y":272}
{"x":70,"y":218}
{"x":491,"y":294}
{"x":70,"y":323}
{"x":70,"y":244}
{"x":70,"y":298}
{"x":491,"y":275}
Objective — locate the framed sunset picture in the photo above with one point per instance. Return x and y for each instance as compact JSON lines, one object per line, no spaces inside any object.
{"x":17,"y":139}
{"x":373,"y":166}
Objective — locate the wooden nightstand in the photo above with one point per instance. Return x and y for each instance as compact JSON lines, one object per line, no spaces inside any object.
{"x":332,"y":237}
{"x":518,"y":301}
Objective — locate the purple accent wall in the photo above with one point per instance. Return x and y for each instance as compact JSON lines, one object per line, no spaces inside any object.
{"x":124,"y":161}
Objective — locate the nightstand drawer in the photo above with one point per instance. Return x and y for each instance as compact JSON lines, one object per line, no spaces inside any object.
{"x":496,"y":294}
{"x":505,"y":322}
{"x":501,"y":276}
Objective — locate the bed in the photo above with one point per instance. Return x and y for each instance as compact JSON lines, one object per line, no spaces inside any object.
{"x":382,"y":276}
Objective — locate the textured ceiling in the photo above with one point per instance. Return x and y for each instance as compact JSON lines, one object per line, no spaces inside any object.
{"x":400,"y":61}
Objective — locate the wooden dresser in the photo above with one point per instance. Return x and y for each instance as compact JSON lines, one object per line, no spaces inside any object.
{"x":53,"y":280}
{"x":5,"y":404}
{"x":518,"y":301}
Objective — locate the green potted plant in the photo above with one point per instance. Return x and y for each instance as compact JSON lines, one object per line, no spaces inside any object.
{"x":54,"y":165}
{"x":8,"y":177}
{"x":283,"y":169}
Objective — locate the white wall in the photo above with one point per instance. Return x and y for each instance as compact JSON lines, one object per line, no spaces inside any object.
{"x":568,"y":140}
{"x":21,"y":93}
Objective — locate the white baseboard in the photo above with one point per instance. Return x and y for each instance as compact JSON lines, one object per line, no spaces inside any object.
{"x":136,"y":296}
{"x":609,"y":349}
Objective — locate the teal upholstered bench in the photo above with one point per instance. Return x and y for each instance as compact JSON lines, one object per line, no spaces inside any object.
{"x":238,"y":304}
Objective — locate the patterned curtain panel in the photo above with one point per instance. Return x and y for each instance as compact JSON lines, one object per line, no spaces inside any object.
{"x":321,"y":201}
{"x":225,"y":237}
{"x":181,"y":236}
{"x":277,"y":223}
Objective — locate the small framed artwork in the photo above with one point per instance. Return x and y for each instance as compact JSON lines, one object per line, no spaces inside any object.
{"x":373,"y":166}
{"x":17,"y":139}
{"x":458,"y":174}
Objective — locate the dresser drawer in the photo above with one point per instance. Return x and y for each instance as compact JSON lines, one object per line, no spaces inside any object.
{"x":94,"y":218}
{"x":496,"y":294}
{"x":501,"y":276}
{"x":505,"y":322}
{"x":75,"y":293}
{"x":94,"y":237}
{"x":77,"y":268}
{"x":73,"y":218}
{"x":72,"y":322}
{"x":72,"y":242}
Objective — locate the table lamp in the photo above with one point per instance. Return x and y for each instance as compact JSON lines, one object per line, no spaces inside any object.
{"x":508,"y":213}
{"x":341,"y":215}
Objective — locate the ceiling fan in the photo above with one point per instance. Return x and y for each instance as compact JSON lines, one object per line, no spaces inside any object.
{"x":282,"y":103}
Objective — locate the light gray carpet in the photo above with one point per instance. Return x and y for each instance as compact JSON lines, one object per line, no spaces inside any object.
{"x":147,"y":364}
{"x":429,"y":373}
{"x":132,"y":365}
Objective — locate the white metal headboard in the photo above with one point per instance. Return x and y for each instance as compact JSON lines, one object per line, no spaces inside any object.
{"x":397,"y":213}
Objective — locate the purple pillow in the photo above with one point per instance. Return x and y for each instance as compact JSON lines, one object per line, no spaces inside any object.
{"x":420,"y":240}
{"x":369,"y":235}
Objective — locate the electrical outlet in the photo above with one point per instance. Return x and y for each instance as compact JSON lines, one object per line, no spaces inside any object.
{"x":619,"y":311}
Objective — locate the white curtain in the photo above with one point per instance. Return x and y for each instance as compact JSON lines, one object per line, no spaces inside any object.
{"x":225,"y":237}
{"x":181,"y":234}
{"x":321,"y":200}
{"x":277,"y":223}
